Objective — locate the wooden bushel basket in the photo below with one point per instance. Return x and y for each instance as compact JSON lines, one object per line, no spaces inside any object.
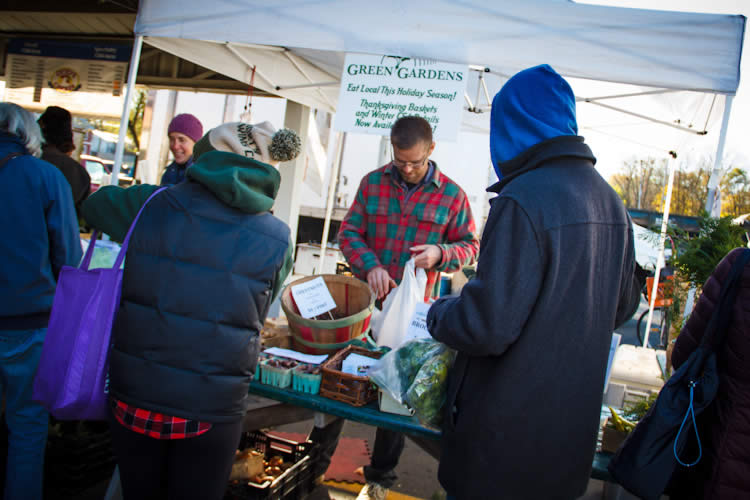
{"x":355,"y":301}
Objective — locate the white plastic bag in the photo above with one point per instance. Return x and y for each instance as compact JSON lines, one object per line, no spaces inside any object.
{"x":398,"y":308}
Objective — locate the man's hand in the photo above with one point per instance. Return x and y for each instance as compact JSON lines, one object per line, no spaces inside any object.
{"x":380,"y":281}
{"x":427,"y":256}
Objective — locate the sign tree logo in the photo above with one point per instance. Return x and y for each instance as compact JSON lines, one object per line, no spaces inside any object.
{"x":65,"y":80}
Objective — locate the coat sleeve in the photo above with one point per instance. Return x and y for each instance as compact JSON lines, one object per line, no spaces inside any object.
{"x":492,"y":309}
{"x":284,"y":271}
{"x":112,"y":209}
{"x":62,"y":227}
{"x":695,"y":326}
{"x":352,"y":235}
{"x":630,"y":288}
{"x":461,"y":242}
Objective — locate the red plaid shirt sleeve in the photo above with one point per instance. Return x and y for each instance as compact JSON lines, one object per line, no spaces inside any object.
{"x":353,"y":235}
{"x":381,"y":226}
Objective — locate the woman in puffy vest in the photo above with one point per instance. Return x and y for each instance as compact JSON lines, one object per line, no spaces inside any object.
{"x":723,"y":472}
{"x":204,"y":263}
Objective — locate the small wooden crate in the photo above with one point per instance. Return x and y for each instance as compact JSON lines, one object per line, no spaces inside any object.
{"x":351,"y":389}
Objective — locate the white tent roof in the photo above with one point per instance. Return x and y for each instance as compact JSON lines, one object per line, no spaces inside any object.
{"x":671,"y":50}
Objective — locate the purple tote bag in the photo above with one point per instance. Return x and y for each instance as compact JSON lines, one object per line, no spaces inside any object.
{"x":72,"y":375}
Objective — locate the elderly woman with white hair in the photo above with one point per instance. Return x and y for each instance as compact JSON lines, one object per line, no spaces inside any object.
{"x":40,"y":236}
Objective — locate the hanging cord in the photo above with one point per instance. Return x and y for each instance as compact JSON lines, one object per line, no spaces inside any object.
{"x":249,"y":99}
{"x":691,"y":412}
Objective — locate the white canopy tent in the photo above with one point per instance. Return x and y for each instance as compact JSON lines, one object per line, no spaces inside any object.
{"x":296,"y":49}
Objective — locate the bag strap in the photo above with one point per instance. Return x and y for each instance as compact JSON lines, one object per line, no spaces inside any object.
{"x":722,"y":314}
{"x":9,"y":157}
{"x":89,"y":251}
{"x":717,"y":326}
{"x":126,"y":241}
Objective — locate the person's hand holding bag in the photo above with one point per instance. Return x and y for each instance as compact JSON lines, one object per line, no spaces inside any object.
{"x":398,"y":308}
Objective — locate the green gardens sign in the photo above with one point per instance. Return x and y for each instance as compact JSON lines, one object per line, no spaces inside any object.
{"x":377,"y":90}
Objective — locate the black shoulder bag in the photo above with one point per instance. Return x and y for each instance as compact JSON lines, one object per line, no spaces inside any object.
{"x":645,"y":462}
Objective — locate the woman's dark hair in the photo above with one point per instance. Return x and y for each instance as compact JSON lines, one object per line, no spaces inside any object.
{"x":57,"y":128}
{"x":410,"y":130}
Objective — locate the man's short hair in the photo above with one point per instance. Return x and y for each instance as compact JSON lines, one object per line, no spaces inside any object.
{"x":409,"y":131}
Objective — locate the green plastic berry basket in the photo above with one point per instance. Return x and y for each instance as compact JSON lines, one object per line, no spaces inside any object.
{"x":277,"y":377}
{"x":306,"y":382}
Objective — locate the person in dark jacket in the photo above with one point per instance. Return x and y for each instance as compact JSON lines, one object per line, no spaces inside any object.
{"x":722,"y":473}
{"x":40,"y":237}
{"x":533,"y":329}
{"x":57,"y":129}
{"x":205,"y":261}
{"x":184,"y":131}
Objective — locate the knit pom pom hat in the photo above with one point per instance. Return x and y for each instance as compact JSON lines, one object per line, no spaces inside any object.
{"x":260,"y":142}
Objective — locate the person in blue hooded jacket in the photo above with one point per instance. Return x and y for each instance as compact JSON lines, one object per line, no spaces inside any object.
{"x":533,"y":329}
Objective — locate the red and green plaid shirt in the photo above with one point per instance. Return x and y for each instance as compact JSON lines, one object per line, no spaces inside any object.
{"x":380,"y":226}
{"x":154,"y":424}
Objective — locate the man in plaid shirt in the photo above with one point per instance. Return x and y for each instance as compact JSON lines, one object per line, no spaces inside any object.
{"x":403,"y":209}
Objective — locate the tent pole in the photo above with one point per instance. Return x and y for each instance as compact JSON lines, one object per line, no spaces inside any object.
{"x":662,"y":239}
{"x":339,"y":156}
{"x":716,"y":173}
{"x":135,"y":57}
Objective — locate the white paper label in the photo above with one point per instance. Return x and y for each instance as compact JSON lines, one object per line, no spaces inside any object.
{"x":313,"y":298}
{"x":418,"y":324}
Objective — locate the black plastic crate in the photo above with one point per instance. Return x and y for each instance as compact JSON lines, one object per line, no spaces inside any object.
{"x":295,"y":483}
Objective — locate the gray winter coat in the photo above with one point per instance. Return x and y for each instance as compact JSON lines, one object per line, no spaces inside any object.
{"x":533,"y":329}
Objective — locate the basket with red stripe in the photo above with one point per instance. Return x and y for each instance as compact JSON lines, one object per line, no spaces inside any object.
{"x":349,"y":321}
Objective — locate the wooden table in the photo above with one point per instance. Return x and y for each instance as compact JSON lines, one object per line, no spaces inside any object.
{"x":275,"y":406}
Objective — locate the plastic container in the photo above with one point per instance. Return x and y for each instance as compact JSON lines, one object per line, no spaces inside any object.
{"x":274,"y":375}
{"x":294,"y":484}
{"x":306,"y":382}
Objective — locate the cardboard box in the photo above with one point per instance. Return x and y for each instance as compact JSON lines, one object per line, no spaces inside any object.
{"x":390,"y":405}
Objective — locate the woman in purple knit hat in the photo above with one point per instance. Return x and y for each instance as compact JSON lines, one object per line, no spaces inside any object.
{"x":184,"y":131}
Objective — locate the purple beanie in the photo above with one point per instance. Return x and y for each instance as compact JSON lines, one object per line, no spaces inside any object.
{"x":186,"y":124}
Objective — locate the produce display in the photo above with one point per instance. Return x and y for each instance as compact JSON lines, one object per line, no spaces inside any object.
{"x":415,"y":374}
{"x":250,"y":465}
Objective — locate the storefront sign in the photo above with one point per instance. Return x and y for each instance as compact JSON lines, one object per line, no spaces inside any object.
{"x":85,"y":78}
{"x":377,"y":90}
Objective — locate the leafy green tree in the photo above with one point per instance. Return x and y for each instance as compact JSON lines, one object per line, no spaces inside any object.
{"x":735,"y":193}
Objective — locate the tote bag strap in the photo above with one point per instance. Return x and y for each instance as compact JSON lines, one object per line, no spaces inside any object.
{"x":89,"y":251}
{"x":126,"y":241}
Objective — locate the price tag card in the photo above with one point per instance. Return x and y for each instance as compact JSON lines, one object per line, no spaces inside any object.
{"x":313,"y":298}
{"x":418,"y":324}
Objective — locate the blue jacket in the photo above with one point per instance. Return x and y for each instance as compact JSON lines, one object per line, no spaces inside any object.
{"x":175,"y":173}
{"x":40,"y":236}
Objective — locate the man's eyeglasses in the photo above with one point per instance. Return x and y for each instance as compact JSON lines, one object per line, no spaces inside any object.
{"x":405,"y":164}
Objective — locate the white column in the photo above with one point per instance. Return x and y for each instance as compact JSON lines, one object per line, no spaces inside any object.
{"x":135,"y":58}
{"x":716,"y":174}
{"x":287,"y":203}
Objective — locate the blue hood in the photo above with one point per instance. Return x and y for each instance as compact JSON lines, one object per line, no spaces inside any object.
{"x":534,"y":105}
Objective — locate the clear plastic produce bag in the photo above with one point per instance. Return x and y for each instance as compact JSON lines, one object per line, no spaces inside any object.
{"x":416,"y":374}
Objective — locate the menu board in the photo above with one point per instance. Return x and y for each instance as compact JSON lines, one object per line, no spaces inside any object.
{"x":84,"y":78}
